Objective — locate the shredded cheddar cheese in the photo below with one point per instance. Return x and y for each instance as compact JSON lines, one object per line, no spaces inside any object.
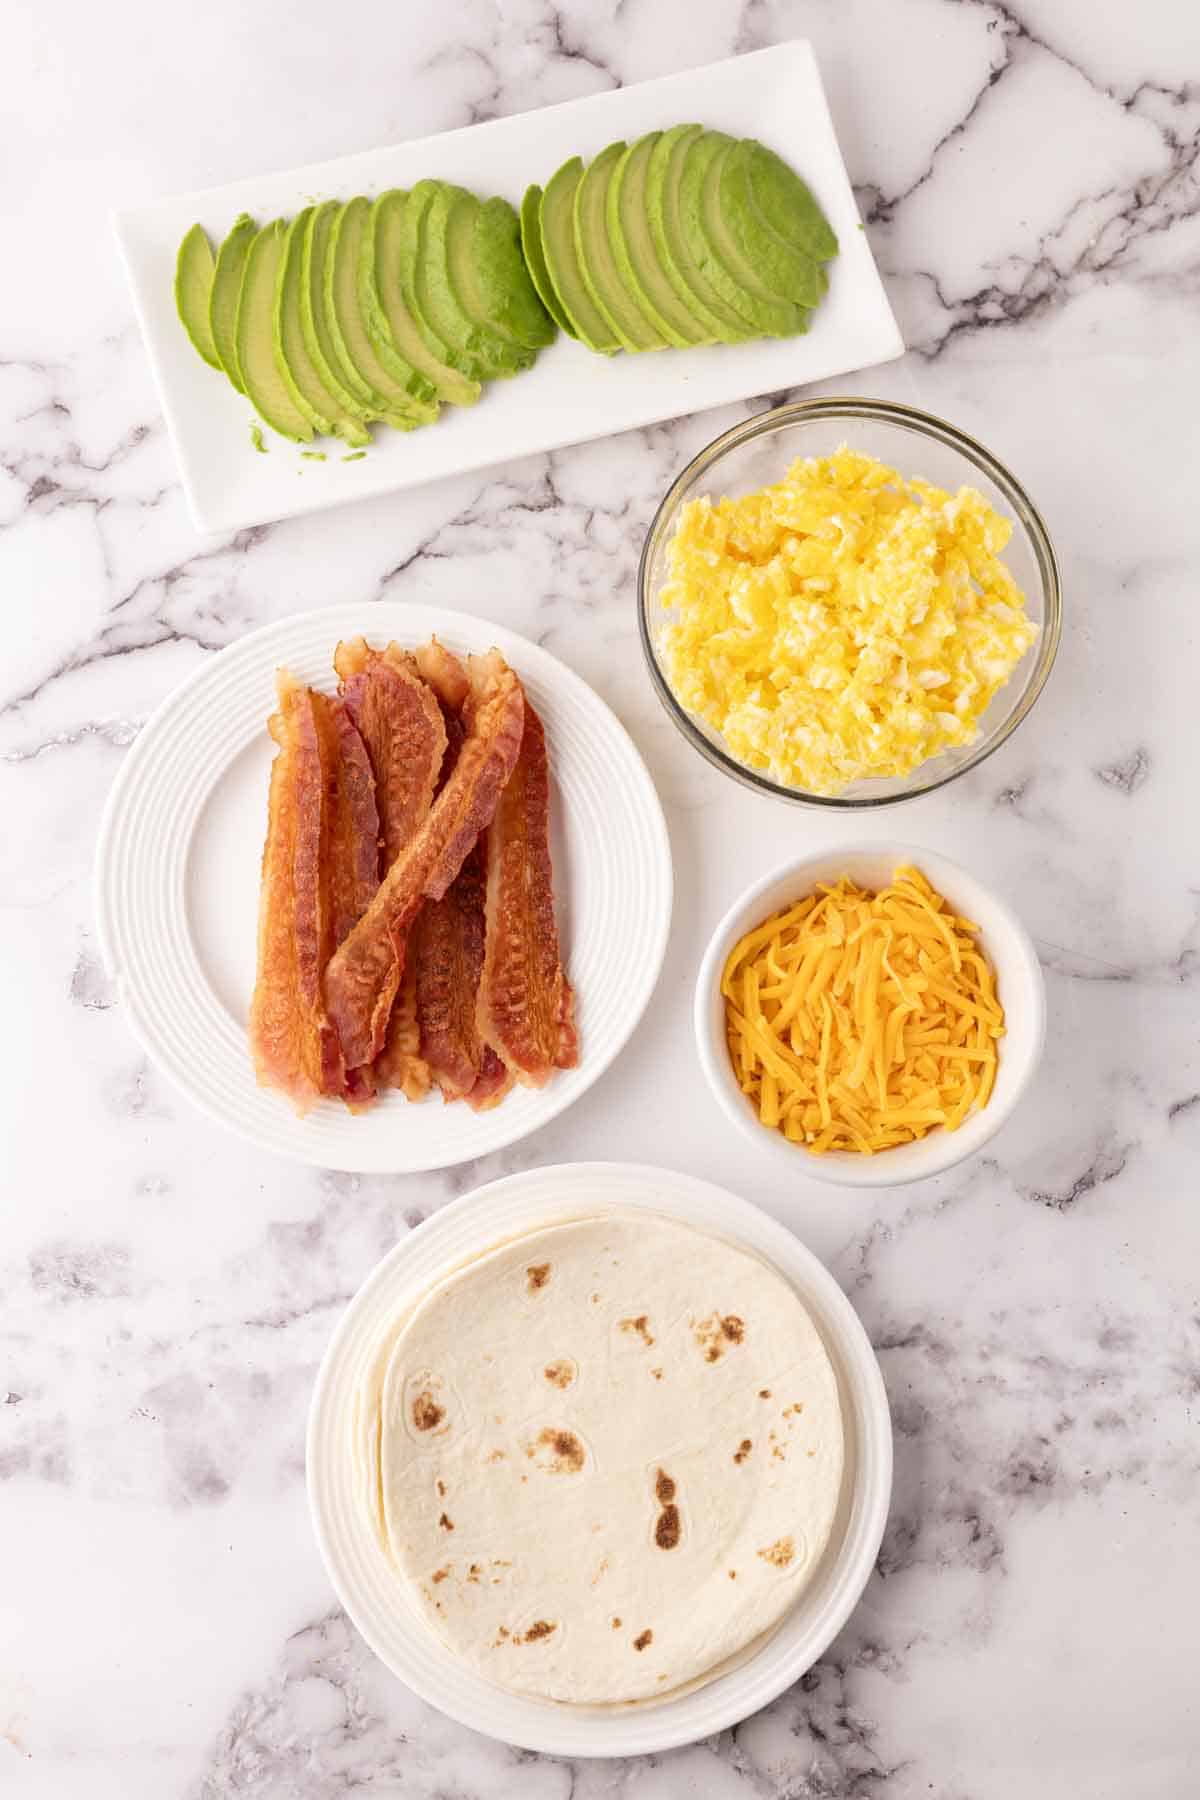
{"x":857,"y":1021}
{"x":845,"y":623}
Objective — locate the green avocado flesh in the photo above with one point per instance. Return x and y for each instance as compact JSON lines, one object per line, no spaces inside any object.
{"x":385,"y":309}
{"x":451,"y":220}
{"x":783,"y":200}
{"x":379,"y":275}
{"x":319,"y":404}
{"x":226,"y":287}
{"x":558,"y":242}
{"x":633,"y":249}
{"x":506,"y":292}
{"x":265,"y":387}
{"x":663,"y":211}
{"x":597,"y":263}
{"x":194,"y":267}
{"x":711,"y":247}
{"x":393,"y":389}
{"x":535,"y":258}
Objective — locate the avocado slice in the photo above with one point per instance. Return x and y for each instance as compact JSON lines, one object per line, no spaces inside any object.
{"x":714,"y":251}
{"x":393,"y":389}
{"x":427,"y":292}
{"x":535,"y":258}
{"x":194,"y":265}
{"x":663,"y":175}
{"x":226,"y":287}
{"x":602,"y":278}
{"x":783,"y":200}
{"x":557,"y":222}
{"x":634,"y":253}
{"x":448,"y":234}
{"x":383,"y":300}
{"x":317,"y":339}
{"x":301,"y":375}
{"x":266,"y":388}
{"x":502,"y":282}
{"x":746,"y":239}
{"x":713,"y":255}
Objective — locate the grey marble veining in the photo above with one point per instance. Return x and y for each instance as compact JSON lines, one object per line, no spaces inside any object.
{"x":1028,"y":176}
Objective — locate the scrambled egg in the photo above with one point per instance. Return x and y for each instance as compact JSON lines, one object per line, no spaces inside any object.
{"x":842,"y":624}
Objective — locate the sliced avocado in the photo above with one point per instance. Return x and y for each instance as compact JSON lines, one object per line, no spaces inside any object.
{"x":663,"y":176}
{"x":383,"y":299}
{"x":744,"y":238}
{"x":426,"y":290}
{"x":783,"y":199}
{"x":194,"y":267}
{"x":535,"y":258}
{"x":317,"y":339}
{"x":508,"y":296}
{"x":712,"y":249}
{"x":448,"y":233}
{"x":266,"y":389}
{"x":602,"y":278}
{"x":318,"y":403}
{"x":227,"y":285}
{"x":557,"y":221}
{"x":633,"y":249}
{"x":403,"y":399}
{"x":726,"y":274}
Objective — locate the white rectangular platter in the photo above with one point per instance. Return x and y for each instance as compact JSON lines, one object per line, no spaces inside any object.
{"x":571,"y":394}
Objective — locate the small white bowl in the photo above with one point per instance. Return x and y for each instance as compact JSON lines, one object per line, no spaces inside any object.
{"x":1018,"y":981}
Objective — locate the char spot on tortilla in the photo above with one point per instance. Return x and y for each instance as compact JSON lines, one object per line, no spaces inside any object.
{"x":563,"y":1453}
{"x":716,"y":1333}
{"x":474,"y":1572}
{"x":445,"y":1523}
{"x":780,"y":1553}
{"x":538,"y":1275}
{"x":657,"y":1374}
{"x":667,"y":1531}
{"x":616,"y":1624}
{"x":541,"y":1628}
{"x":764,"y":1393}
{"x":643,"y":1638}
{"x":664,"y":1487}
{"x":440,"y":1574}
{"x":495,"y":1456}
{"x":441,"y":1488}
{"x":426,"y":1413}
{"x":733,"y":1574}
{"x":560,"y":1374}
{"x":743,"y":1450}
{"x":642,"y":1326}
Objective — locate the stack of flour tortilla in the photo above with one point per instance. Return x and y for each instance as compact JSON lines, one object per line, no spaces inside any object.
{"x":605,"y":1457}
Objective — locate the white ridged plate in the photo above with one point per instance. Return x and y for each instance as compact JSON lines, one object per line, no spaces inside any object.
{"x":372,"y":1592}
{"x":177,"y":879}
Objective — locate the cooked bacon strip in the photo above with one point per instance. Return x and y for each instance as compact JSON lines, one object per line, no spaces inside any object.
{"x":402,"y":726}
{"x":320,"y":871}
{"x":446,"y":943}
{"x":526,"y":1006}
{"x":361,"y":979}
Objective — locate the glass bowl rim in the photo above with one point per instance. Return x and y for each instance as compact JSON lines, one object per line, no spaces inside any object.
{"x":923,"y":424}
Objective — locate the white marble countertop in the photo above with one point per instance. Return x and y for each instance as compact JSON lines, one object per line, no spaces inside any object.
{"x":1028,"y":176}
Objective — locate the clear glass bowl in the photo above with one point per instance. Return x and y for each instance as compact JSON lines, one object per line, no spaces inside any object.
{"x":754,"y":455}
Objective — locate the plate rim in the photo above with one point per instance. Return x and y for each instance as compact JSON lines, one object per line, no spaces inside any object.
{"x":749,"y":1227}
{"x":559,"y":1096}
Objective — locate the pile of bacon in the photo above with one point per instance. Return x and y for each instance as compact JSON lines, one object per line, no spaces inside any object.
{"x":406,"y":931}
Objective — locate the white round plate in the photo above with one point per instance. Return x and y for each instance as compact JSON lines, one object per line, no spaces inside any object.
{"x":177,"y":878}
{"x":369,"y":1588}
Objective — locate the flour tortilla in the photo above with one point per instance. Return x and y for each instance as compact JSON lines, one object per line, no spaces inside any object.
{"x":554,"y":1439}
